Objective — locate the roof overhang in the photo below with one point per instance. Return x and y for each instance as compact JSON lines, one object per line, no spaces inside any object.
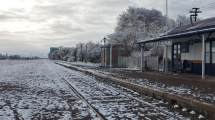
{"x":179,"y":35}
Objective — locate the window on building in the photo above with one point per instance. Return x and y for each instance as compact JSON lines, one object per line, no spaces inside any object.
{"x":184,"y":47}
{"x":207,"y":52}
{"x":213,"y":51}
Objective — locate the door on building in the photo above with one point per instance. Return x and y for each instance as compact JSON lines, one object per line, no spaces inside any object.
{"x":177,"y":65}
{"x":210,"y":58}
{"x":213,"y":58}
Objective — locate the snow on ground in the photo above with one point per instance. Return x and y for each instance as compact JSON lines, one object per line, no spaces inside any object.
{"x":31,"y":90}
{"x":181,"y":90}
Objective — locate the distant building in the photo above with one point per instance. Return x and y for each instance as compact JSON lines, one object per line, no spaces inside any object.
{"x":53,"y":53}
{"x":116,"y":53}
{"x":53,"y":49}
{"x":53,"y":56}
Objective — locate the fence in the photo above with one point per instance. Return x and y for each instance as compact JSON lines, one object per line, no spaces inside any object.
{"x":135,"y":62}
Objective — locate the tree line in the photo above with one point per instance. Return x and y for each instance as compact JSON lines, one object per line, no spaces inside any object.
{"x":134,"y":24}
{"x":89,"y":51}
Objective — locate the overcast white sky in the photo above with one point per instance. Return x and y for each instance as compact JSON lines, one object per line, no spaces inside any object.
{"x":36,"y":25}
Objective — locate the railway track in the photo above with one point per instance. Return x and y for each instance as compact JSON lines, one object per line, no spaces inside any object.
{"x":141,"y":101}
{"x":79,"y":95}
{"x":169,"y":114}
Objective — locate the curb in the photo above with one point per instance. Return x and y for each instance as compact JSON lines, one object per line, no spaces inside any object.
{"x":187,"y":79}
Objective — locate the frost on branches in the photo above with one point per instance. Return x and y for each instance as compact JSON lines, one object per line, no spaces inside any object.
{"x":88,"y":52}
{"x":137,"y":23}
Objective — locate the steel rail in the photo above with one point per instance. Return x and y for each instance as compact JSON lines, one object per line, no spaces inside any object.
{"x":78,"y":94}
{"x":141,"y":101}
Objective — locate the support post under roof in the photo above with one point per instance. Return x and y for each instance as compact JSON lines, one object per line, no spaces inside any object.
{"x":142,"y":58}
{"x":203,"y":57}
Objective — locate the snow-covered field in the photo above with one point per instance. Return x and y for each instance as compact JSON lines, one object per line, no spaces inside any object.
{"x":30,"y":90}
{"x":195,"y":92}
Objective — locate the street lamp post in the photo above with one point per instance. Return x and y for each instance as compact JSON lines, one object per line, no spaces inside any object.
{"x":104,"y":40}
{"x":110,"y":58}
{"x":166,"y":47}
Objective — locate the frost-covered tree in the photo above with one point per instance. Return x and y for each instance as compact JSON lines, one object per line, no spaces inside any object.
{"x":73,"y":53}
{"x":63,"y":51}
{"x":89,"y":50}
{"x":71,"y":56}
{"x":93,"y":51}
{"x":127,"y":39}
{"x":136,"y":24}
{"x":182,"y":20}
{"x":171,"y":24}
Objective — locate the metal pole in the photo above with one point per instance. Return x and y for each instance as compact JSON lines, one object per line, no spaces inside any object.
{"x":105,"y":58}
{"x":110,"y":58}
{"x":203,"y":57}
{"x":141,"y":59}
{"x":166,"y":16}
{"x":81,"y":54}
{"x":101,"y":57}
{"x":166,"y":60}
{"x":86,"y":54}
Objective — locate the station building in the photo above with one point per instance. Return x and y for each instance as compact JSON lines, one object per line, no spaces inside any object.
{"x":193,"y":43}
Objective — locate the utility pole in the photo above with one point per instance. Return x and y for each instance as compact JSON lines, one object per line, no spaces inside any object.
{"x":166,"y":16}
{"x":195,"y":13}
{"x":104,"y":40}
{"x":166,"y":47}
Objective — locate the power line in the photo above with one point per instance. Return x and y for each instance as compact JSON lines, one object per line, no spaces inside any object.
{"x":207,"y":7}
